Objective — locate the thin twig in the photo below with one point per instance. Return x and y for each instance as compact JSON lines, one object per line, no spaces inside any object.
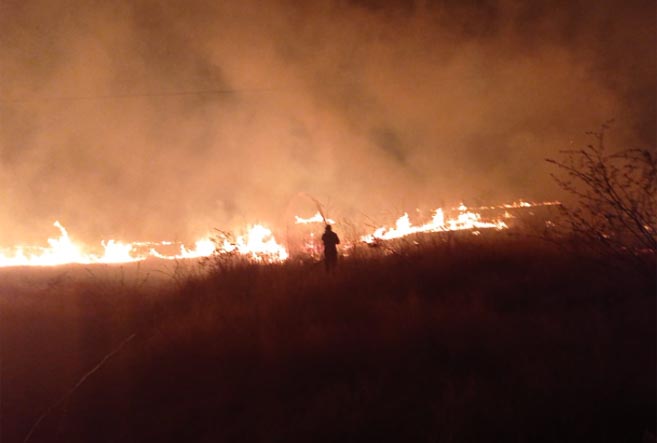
{"x":76,"y":386}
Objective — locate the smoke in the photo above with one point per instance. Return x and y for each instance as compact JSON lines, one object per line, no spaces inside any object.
{"x":151,"y":120}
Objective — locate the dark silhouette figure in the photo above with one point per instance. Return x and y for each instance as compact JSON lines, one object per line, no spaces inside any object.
{"x":331,"y":241}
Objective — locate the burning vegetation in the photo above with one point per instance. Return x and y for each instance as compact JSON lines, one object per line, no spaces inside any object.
{"x":492,"y":338}
{"x":147,"y":123}
{"x":258,"y":243}
{"x":421,"y":334}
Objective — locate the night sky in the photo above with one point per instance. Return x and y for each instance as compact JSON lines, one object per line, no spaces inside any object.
{"x":150,"y":120}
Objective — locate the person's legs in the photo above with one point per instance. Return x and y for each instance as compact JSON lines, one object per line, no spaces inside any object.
{"x":331,"y":261}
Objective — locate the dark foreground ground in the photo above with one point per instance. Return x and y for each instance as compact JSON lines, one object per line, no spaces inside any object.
{"x":484,"y":341}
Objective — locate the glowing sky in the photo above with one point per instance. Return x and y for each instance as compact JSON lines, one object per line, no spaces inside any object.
{"x":145,"y":119}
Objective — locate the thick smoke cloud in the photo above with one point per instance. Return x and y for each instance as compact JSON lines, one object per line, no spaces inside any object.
{"x":144,"y":119}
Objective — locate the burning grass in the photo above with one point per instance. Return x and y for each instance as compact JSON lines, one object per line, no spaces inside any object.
{"x":485,"y":338}
{"x":257,"y":243}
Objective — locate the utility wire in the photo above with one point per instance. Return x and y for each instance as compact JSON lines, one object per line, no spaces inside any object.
{"x":73,"y":98}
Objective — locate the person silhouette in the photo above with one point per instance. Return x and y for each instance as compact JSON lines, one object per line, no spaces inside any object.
{"x":331,"y":241}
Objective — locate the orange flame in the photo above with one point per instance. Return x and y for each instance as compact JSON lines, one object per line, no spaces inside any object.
{"x":62,"y":250}
{"x":317,"y":218}
{"x":403,"y":227}
{"x":258,"y":244}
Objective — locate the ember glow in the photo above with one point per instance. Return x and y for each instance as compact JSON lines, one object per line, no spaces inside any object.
{"x":519,"y":204}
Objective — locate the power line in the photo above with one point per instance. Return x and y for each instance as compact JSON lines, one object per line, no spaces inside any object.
{"x":72,"y":98}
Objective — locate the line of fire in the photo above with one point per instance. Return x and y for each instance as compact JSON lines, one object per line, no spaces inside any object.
{"x":259,"y":244}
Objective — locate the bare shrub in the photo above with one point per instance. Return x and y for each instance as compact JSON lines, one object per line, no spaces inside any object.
{"x":616,"y":211}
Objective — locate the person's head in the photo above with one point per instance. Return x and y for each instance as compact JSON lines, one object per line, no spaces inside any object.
{"x":328,"y":228}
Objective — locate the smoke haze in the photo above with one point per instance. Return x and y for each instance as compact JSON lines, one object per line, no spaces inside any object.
{"x":151,"y":120}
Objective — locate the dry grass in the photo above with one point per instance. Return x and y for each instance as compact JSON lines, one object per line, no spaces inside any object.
{"x":482,"y":340}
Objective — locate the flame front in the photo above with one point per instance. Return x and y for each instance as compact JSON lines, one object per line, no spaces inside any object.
{"x":317,"y":218}
{"x":62,"y":250}
{"x":466,"y":219}
{"x":403,"y":227}
{"x":117,"y":252}
{"x":257,"y":244}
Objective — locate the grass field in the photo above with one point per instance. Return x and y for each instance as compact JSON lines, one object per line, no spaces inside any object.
{"x":483,"y":339}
